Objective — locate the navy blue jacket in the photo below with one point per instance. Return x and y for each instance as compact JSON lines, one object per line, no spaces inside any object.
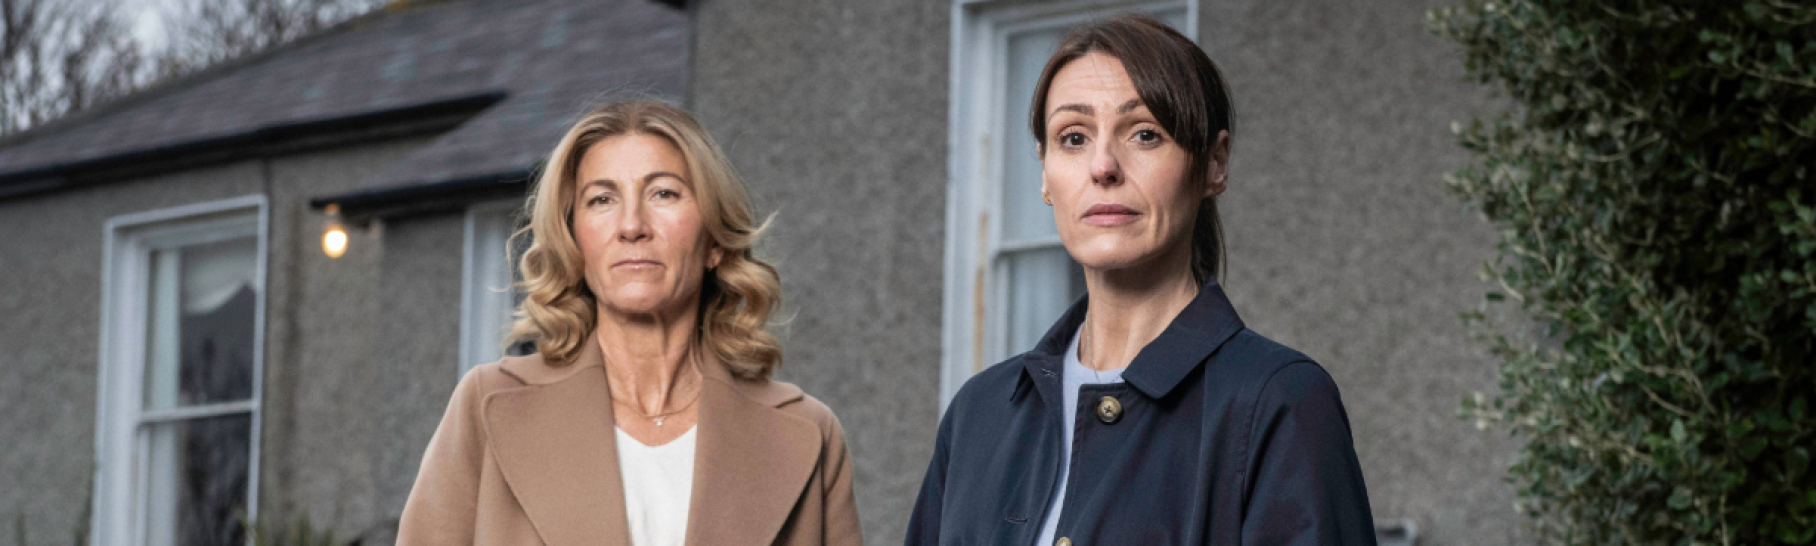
{"x":1225,"y":437}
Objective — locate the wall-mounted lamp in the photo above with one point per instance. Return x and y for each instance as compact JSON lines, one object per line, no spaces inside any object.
{"x":334,"y":233}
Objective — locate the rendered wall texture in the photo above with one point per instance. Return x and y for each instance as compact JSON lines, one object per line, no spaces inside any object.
{"x":835,"y":114}
{"x":361,"y":349}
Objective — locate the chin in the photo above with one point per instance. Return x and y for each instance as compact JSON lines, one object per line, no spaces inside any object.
{"x":1110,"y":253}
{"x":638,"y":300}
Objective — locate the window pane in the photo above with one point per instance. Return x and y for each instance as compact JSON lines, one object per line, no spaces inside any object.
{"x":491,"y":296}
{"x":195,"y":480}
{"x":203,"y":301}
{"x":1042,"y":284}
{"x":1025,"y":217}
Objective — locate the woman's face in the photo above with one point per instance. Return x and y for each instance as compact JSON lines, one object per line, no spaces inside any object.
{"x":1122,"y":189}
{"x":639,"y":227}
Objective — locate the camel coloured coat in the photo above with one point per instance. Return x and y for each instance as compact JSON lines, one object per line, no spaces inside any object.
{"x":526,"y":454}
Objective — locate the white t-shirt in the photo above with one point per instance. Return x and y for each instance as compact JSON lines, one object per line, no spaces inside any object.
{"x":1075,"y":376}
{"x":658,"y":484}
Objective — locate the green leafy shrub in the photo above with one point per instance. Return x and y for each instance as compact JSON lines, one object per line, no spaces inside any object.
{"x":1654,"y":188}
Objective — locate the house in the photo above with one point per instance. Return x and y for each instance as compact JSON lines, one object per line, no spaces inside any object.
{"x":183,"y":347}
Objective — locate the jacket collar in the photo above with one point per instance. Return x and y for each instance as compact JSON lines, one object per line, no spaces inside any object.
{"x":752,"y":462}
{"x":1199,"y":329}
{"x":556,"y":446}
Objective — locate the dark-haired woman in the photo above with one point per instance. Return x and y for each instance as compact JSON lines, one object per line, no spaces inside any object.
{"x":1148,"y":414}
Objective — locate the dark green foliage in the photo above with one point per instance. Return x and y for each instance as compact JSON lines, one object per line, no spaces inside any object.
{"x":1655,"y":193}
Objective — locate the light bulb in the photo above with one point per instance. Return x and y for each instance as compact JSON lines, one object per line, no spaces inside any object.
{"x":334,"y":241}
{"x":334,"y":235}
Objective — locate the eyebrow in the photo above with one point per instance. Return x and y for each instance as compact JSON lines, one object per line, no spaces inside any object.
{"x":613,"y":184}
{"x":1087,"y":110}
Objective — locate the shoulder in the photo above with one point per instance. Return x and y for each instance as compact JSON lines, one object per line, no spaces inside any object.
{"x":1302,"y":384}
{"x":484,"y":380}
{"x":1253,"y":360}
{"x":989,"y":387}
{"x":533,"y":369}
{"x":1257,"y":351}
{"x":1277,"y":378}
{"x":984,"y":403}
{"x":1271,"y":376}
{"x":787,"y":397}
{"x":812,"y":409}
{"x":792,"y":401}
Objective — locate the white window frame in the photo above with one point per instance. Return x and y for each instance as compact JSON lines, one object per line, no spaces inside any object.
{"x":124,"y":283}
{"x":486,"y":298}
{"x":974,"y":308}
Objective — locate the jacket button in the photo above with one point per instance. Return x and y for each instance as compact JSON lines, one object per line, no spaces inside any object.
{"x":1063,"y":541}
{"x":1109,"y":410}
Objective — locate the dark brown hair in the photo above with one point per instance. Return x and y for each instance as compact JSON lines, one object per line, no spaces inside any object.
{"x":1182,"y":88}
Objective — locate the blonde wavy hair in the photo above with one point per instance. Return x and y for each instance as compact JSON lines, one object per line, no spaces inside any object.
{"x":559,"y":311}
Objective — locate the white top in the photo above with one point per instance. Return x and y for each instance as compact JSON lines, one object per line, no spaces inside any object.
{"x":658,"y":484}
{"x":1074,"y":377}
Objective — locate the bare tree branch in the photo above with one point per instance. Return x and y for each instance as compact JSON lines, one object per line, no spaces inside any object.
{"x":206,"y":32}
{"x":58,"y":56}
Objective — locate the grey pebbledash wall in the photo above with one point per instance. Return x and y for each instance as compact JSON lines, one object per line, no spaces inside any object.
{"x":835,"y":114}
{"x":359,"y":352}
{"x":1341,"y":241}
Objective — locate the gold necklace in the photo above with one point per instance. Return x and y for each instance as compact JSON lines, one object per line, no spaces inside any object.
{"x":658,"y":418}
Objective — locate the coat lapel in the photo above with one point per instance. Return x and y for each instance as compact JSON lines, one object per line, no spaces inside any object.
{"x":752,"y":462}
{"x":556,"y":448}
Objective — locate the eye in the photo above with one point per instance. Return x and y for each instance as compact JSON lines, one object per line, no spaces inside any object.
{"x":667,"y":194}
{"x":1148,"y":137}
{"x":1071,"y":139}
{"x":601,"y":199}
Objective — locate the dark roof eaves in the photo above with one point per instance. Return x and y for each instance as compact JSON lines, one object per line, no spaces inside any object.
{"x":410,"y":197}
{"x":50,"y":177}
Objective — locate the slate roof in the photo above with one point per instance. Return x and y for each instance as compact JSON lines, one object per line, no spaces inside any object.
{"x":522,"y":69}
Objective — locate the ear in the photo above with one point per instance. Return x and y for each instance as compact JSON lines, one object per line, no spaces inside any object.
{"x":1217,"y":170}
{"x":714,"y":256}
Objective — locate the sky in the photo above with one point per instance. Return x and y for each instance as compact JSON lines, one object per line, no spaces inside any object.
{"x":147,"y":24}
{"x":145,"y":15}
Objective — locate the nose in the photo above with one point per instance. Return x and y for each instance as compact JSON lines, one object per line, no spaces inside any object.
{"x":1106,"y":168}
{"x":632,"y":225}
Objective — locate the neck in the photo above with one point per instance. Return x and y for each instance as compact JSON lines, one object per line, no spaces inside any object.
{"x":649,"y":358}
{"x":1130,"y":307}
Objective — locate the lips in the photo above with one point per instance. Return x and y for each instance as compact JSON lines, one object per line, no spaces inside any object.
{"x":1109,"y":214}
{"x":636,"y":262}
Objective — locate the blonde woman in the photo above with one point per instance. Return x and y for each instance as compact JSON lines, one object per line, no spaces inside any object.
{"x":647,"y":416}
